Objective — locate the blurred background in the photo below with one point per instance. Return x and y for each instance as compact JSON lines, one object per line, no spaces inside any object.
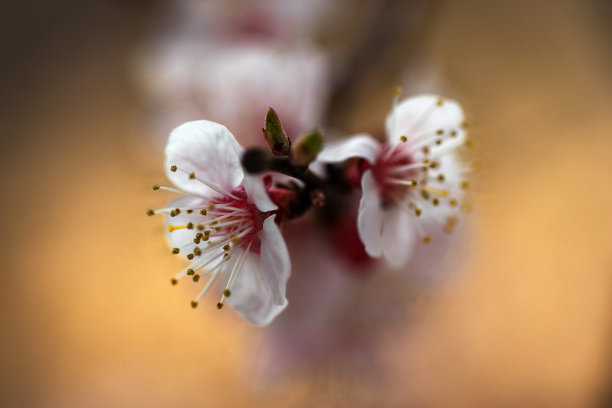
{"x":90,"y":90}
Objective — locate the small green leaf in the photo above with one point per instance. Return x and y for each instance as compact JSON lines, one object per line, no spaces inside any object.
{"x":275,"y":134}
{"x":307,"y":147}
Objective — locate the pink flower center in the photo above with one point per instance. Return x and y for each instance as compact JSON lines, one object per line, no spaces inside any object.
{"x":236,"y":219}
{"x":395,"y":171}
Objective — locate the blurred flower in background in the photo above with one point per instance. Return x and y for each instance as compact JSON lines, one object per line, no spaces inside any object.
{"x":229,"y":61}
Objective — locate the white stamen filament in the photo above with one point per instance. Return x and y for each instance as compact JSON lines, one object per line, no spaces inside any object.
{"x":173,"y":189}
{"x":211,"y":281}
{"x":423,"y":138}
{"x":425,"y":143}
{"x":208,"y":184}
{"x":400,"y":182}
{"x":205,"y":262}
{"x":228,"y":207}
{"x":406,"y":167}
{"x":182,"y":273}
{"x":236,"y":270}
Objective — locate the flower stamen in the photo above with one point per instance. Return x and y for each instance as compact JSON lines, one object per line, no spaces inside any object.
{"x":207,"y":183}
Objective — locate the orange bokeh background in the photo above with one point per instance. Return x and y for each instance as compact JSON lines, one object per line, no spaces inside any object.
{"x":89,"y":318}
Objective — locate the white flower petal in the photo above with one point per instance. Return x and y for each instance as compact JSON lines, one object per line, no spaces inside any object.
{"x":370,"y":218}
{"x":422,"y":116}
{"x":180,"y":237}
{"x":361,"y":145}
{"x":251,"y":296}
{"x":210,"y":151}
{"x":257,"y":194}
{"x":275,"y":263}
{"x":398,"y":236}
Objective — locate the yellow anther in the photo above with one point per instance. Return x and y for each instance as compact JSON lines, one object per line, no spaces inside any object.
{"x":436,"y":191}
{"x":197,"y":251}
{"x":190,"y":225}
{"x":469,"y":143}
{"x":403,"y":139}
{"x":226,"y":247}
{"x":452,"y":202}
{"x":440,"y":102}
{"x":440,"y":132}
{"x":426,"y":239}
{"x":190,"y":271}
{"x":418,"y":211}
{"x":440,"y":177}
{"x":203,"y":211}
{"x":453,"y":133}
{"x":397,"y":91}
{"x":235,"y":240}
{"x":425,"y":150}
{"x":435,"y":201}
{"x":465,"y":185}
{"x":438,"y":142}
{"x":451,"y":222}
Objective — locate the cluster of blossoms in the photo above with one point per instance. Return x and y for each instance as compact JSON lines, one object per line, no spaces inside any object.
{"x":228,"y":222}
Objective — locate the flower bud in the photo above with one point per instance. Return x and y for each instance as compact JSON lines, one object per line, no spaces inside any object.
{"x":275,"y":134}
{"x":306,"y":148}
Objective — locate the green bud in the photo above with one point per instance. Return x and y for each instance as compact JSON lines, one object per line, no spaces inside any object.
{"x":275,"y":134}
{"x":307,"y":147}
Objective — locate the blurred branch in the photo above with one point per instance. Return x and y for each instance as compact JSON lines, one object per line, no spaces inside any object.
{"x":380,"y":38}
